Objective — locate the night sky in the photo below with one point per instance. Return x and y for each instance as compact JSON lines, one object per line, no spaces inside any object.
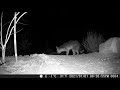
{"x":51,"y":27}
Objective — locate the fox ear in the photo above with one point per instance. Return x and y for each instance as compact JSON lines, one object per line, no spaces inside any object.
{"x":56,"y":47}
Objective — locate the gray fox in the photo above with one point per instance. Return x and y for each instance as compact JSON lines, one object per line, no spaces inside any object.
{"x":70,"y":45}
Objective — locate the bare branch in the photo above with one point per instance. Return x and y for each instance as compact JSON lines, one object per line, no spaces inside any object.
{"x":17,"y":31}
{"x":9,"y":28}
{"x":1,"y":30}
{"x":21,"y":23}
{"x":17,"y":23}
{"x":20,"y":16}
{"x":6,"y":40}
{"x":5,"y":24}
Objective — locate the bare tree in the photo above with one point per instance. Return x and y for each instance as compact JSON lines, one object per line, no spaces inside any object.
{"x":9,"y":33}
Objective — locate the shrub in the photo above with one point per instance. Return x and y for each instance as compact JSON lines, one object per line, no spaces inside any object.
{"x":92,"y":41}
{"x":25,"y":44}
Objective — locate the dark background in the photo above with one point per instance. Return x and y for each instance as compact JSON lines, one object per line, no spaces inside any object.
{"x":51,"y":27}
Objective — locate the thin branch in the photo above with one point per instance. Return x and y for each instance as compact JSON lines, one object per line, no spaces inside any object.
{"x":6,"y":40}
{"x":17,"y":23}
{"x":1,"y":30}
{"x":9,"y":28}
{"x":20,"y":16}
{"x":21,"y":23}
{"x":17,"y":14}
{"x":17,"y":31}
{"x":5,"y":24}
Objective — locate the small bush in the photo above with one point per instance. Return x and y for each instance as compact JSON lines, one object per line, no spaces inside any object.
{"x":25,"y":44}
{"x":92,"y":41}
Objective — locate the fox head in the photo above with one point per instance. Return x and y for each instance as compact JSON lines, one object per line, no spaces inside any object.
{"x":59,"y":50}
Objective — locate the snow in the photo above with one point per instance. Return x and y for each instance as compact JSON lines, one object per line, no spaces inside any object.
{"x":62,"y":64}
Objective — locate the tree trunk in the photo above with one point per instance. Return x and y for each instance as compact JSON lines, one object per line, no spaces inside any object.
{"x":15,"y":43}
{"x":3,"y":54}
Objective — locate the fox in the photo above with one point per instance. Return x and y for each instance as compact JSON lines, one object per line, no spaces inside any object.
{"x":73,"y":45}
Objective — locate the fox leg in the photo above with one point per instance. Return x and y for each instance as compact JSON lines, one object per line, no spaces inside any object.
{"x":73,"y":52}
{"x":67,"y":52}
{"x":77,"y":52}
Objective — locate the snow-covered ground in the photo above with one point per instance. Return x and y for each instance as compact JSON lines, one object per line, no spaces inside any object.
{"x":93,"y":63}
